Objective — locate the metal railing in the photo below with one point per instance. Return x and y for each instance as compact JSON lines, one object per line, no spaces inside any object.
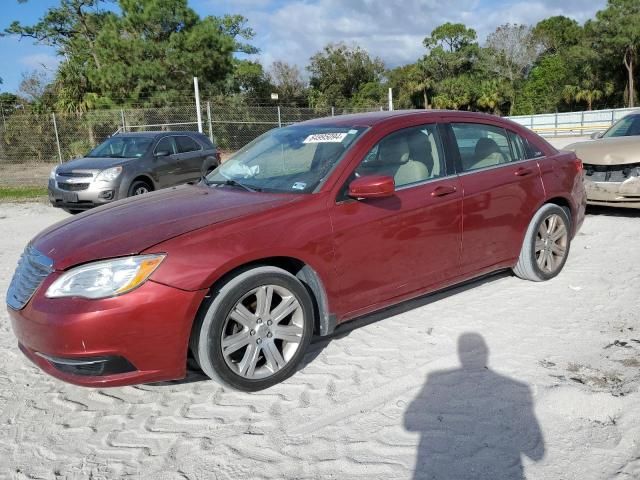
{"x":572,"y":123}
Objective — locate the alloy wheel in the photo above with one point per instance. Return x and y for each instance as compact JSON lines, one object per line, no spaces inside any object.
{"x":552,"y":240}
{"x":262,"y":332}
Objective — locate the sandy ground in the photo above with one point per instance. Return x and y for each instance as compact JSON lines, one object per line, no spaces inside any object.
{"x":486,"y":381}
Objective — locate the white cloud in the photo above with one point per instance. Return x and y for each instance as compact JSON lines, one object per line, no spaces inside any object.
{"x":393,"y":30}
{"x":40,"y":61}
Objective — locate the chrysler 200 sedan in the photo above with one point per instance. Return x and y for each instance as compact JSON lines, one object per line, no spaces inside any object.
{"x":305,"y":228}
{"x":130,"y":164}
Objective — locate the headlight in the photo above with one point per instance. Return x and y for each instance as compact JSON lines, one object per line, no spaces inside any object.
{"x":52,"y":175}
{"x":109,"y":175}
{"x":106,"y":278}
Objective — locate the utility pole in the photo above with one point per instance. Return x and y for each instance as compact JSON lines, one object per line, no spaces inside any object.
{"x":197,"y":94}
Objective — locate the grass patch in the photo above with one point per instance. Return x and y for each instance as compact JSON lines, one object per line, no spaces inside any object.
{"x":10,"y":194}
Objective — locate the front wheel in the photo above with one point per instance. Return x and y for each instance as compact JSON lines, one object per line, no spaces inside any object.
{"x":255,"y":329}
{"x":546,"y":245}
{"x":139,"y":187}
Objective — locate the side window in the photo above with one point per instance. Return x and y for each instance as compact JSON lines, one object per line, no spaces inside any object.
{"x":517,"y":144}
{"x":411,"y":155}
{"x":166,"y":144}
{"x":481,"y":145}
{"x":534,"y":151}
{"x":187,"y":144}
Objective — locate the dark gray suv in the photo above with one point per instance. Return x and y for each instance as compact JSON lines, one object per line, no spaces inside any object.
{"x":131,"y":164}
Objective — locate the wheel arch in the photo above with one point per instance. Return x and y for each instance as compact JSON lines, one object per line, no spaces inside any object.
{"x":145,"y":178}
{"x":324,"y":321}
{"x":566,"y":205}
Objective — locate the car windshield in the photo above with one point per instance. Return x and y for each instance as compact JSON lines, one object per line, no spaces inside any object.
{"x":292,"y":159}
{"x":122,"y":147}
{"x":627,"y":127}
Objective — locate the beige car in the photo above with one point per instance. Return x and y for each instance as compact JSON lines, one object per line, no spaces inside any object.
{"x":612,"y":165}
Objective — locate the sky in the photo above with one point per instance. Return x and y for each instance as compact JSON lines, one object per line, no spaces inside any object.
{"x":293,"y":30}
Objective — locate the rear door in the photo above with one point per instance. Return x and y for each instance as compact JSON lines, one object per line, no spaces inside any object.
{"x":191,"y":157}
{"x":389,"y":247}
{"x":501,"y":190}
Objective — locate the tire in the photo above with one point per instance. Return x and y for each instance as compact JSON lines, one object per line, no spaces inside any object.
{"x":139,"y":187}
{"x":262,"y":347}
{"x":546,"y":244}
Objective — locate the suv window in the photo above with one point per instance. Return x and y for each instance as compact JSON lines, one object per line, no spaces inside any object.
{"x":411,"y":155}
{"x":166,"y":144}
{"x":481,"y":145}
{"x":187,"y":144}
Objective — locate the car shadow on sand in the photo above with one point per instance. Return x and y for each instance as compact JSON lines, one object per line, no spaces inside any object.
{"x":613,"y":212}
{"x":473,"y":422}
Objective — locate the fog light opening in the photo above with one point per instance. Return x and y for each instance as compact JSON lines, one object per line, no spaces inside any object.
{"x":106,"y":195}
{"x":90,"y":366}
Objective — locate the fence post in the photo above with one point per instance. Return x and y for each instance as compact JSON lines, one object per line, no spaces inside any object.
{"x":197,"y":95}
{"x":556,"y":124}
{"x":209,"y":121}
{"x":55,"y":129}
{"x":124,"y":123}
{"x":613,"y":116}
{"x":279,"y":118}
{"x":333,"y":111}
{"x":582,"y":122}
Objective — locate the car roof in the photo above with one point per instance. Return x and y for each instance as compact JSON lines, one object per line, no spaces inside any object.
{"x":157,"y":133}
{"x":370,"y":119}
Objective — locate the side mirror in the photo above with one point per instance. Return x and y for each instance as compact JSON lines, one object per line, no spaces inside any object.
{"x":162,"y":153}
{"x":372,"y":186}
{"x":596,"y":135}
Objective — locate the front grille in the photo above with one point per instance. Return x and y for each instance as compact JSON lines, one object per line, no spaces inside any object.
{"x":611,"y":173}
{"x":73,"y":187}
{"x":31,"y":271}
{"x":75,"y":174}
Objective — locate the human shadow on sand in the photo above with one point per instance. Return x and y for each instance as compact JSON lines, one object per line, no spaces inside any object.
{"x":474,"y":423}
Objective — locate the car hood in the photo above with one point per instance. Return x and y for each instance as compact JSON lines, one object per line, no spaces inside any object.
{"x":608,"y":151}
{"x":99,"y":163}
{"x":129,"y":226}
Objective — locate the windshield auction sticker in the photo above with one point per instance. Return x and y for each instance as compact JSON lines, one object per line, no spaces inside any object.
{"x":325,"y":138}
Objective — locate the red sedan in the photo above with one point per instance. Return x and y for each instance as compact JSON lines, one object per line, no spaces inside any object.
{"x":305,"y":228}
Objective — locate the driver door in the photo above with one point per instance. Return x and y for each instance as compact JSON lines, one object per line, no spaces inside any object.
{"x":166,"y":167}
{"x":390,"y":247}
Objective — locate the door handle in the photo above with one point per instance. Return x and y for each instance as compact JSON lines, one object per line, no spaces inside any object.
{"x":523,"y":172}
{"x":443,"y":191}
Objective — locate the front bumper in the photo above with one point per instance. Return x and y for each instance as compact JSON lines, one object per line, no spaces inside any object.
{"x":81,"y":194}
{"x":139,"y":337}
{"x":614,"y":194}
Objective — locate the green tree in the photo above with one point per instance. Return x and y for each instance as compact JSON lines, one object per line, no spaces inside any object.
{"x":556,"y":34}
{"x":146,"y":52}
{"x":339,"y":71}
{"x":617,"y":33}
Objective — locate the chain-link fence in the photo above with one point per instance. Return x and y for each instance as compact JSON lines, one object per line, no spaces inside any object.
{"x":31,"y":143}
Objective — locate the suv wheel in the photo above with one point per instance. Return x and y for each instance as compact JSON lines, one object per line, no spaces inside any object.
{"x":139,"y":187}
